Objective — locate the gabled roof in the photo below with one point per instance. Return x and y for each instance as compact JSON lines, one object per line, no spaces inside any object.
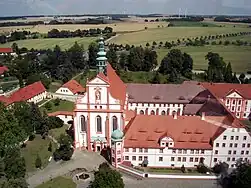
{"x":74,"y":87}
{"x":197,"y":137}
{"x":7,"y":101}
{"x":221,"y":90}
{"x":3,"y":69}
{"x":6,"y":50}
{"x":28,"y":92}
{"x":66,"y":113}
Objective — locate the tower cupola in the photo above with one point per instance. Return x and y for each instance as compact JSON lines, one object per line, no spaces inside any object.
{"x":101,"y":59}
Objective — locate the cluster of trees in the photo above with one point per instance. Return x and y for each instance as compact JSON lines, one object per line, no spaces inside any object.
{"x":65,"y":150}
{"x":55,"y":33}
{"x":14,"y":36}
{"x":11,"y":24}
{"x":226,"y":19}
{"x":176,"y":64}
{"x":52,"y":64}
{"x":190,"y":18}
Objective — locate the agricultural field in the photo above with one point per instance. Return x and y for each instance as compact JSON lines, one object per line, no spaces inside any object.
{"x":117,"y":27}
{"x":239,"y":56}
{"x":170,"y":34}
{"x":64,"y":43}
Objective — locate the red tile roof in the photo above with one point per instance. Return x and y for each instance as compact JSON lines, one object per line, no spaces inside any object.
{"x":117,"y":86}
{"x":6,"y":50}
{"x":129,"y":114}
{"x":145,"y":131}
{"x":28,"y":92}
{"x":66,"y":113}
{"x":3,"y":69}
{"x":5,"y":100}
{"x":74,"y":87}
{"x":221,"y":90}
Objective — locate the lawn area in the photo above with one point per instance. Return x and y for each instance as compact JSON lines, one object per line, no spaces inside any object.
{"x":242,"y":38}
{"x":55,"y":133}
{"x":63,"y":106}
{"x":239,"y":56}
{"x":173,"y":171}
{"x":171,"y":34}
{"x":64,"y":43}
{"x":36,"y":147}
{"x":59,"y":182}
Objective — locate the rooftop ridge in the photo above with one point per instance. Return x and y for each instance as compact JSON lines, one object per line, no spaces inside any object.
{"x":217,"y":123}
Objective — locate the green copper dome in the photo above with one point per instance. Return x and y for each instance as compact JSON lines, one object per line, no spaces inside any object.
{"x":117,"y":134}
{"x":101,"y":59}
{"x":101,"y":53}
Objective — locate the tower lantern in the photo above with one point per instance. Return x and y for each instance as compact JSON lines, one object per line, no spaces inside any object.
{"x":101,"y":59}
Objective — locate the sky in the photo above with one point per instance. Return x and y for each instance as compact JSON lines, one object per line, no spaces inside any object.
{"x":48,"y":7}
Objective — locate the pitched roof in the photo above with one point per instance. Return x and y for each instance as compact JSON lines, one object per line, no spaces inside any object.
{"x":163,"y":93}
{"x":3,"y":69}
{"x":74,"y":87}
{"x":117,"y":86}
{"x":6,"y":50}
{"x":5,"y":100}
{"x":192,"y":132}
{"x":28,"y":92}
{"x":221,"y":90}
{"x":192,"y":109}
{"x":66,"y":113}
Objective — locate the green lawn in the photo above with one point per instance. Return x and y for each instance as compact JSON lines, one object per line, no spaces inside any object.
{"x":64,"y":43}
{"x":171,"y":34}
{"x":242,"y":38}
{"x":63,"y":106}
{"x":59,"y":182}
{"x":58,"y":131}
{"x":239,"y":56}
{"x":36,"y":147}
{"x":54,"y":86}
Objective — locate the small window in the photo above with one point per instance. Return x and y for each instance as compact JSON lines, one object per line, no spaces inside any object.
{"x":243,"y":145}
{"x":140,"y":158}
{"x":237,"y":138}
{"x":215,"y":160}
{"x":172,"y":158}
{"x":152,"y":112}
{"x":248,"y":145}
{"x":224,"y":137}
{"x":202,"y":151}
{"x":191,"y":159}
{"x":247,"y":152}
{"x":217,"y":145}
{"x":233,"y":101}
{"x":231,"y":145}
{"x":216,"y":152}
{"x":127,"y":158}
{"x":161,"y":150}
{"x":232,"y":137}
{"x":160,"y":159}
{"x":141,"y":112}
{"x":242,"y":152}
{"x":229,"y":152}
{"x":196,"y":159}
{"x":179,"y":159}
{"x":223,"y":145}
{"x":179,"y":151}
{"x":174,"y":150}
{"x":233,"y":159}
{"x":184,"y":159}
{"x":228,"y":159}
{"x":192,"y":151}
{"x":197,"y":151}
{"x":134,"y":158}
{"x":140,"y":150}
{"x":235,"y":145}
{"x":234,"y":152}
{"x":114,"y":123}
{"x":184,"y":151}
{"x":126,"y":149}
{"x":163,"y":113}
{"x":145,"y":158}
{"x":239,"y":102}
{"x":145,"y":150}
{"x":134,"y":150}
{"x":244,"y":137}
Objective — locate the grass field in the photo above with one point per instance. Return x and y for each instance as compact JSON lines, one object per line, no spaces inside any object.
{"x":36,"y":147}
{"x":64,"y":43}
{"x":242,"y":38}
{"x":192,"y":24}
{"x":63,"y":106}
{"x":59,"y":182}
{"x":117,"y":27}
{"x":239,"y":56}
{"x":170,"y":34}
{"x":58,"y":131}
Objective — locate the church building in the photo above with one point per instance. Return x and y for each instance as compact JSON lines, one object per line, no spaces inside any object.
{"x":161,"y":125}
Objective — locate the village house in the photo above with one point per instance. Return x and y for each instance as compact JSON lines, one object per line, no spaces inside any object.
{"x":72,"y":87}
{"x":6,"y":51}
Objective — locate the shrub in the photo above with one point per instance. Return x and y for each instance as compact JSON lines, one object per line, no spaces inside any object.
{"x":38,"y":162}
{"x":56,"y":101}
{"x":183,"y":169}
{"x":48,"y":106}
{"x":23,"y":145}
{"x":50,"y":147}
{"x":56,"y":155}
{"x":201,"y":168}
{"x":226,"y":42}
{"x":32,"y":137}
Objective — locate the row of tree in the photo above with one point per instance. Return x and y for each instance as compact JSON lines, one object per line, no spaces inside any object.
{"x":227,"y":19}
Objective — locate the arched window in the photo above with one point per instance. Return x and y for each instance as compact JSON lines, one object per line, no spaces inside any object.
{"x":83,"y":123}
{"x":141,"y":112}
{"x":163,"y":113}
{"x":114,"y":123}
{"x":99,"y":124}
{"x":168,"y":112}
{"x":152,"y":112}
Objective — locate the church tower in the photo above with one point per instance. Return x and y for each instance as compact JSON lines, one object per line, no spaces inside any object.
{"x":101,"y":59}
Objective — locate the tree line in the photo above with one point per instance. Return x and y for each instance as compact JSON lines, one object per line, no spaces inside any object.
{"x":227,"y":19}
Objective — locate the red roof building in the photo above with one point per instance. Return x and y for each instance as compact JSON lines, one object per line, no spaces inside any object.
{"x":71,"y":87}
{"x":6,"y":50}
{"x":3,"y":69}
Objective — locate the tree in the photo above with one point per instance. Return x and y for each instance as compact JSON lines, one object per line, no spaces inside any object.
{"x":242,"y":78}
{"x":106,"y":177}
{"x":38,"y":162}
{"x":156,"y":78}
{"x":48,"y":106}
{"x":93,"y":50}
{"x":57,"y":102}
{"x":54,"y":122}
{"x":112,"y":58}
{"x":65,"y":150}
{"x":154,"y":43}
{"x":168,"y":45}
{"x":39,"y":77}
{"x":187,"y":66}
{"x":220,"y":168}
{"x":14,"y":163}
{"x":123,"y":60}
{"x":17,"y":183}
{"x":2,"y":167}
{"x":147,"y":44}
{"x":228,"y":76}
{"x":50,"y":147}
{"x":39,"y":123}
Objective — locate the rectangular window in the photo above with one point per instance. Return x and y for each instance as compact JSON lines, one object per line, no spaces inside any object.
{"x":126,"y":149}
{"x":184,"y":159}
{"x":233,"y":101}
{"x":217,"y":145}
{"x":231,"y":145}
{"x":145,"y":150}
{"x":223,"y":145}
{"x":215,"y":160}
{"x":184,"y":151}
{"x":196,"y":159}
{"x":145,"y":158}
{"x":234,"y":152}
{"x":244,"y":137}
{"x":235,"y":145}
{"x":224,"y":137}
{"x":229,"y":152}
{"x":197,"y":151}
{"x":192,"y":151}
{"x":172,"y":158}
{"x":134,"y":150}
{"x":242,"y":152}
{"x":228,"y":159}
{"x":247,"y":152}
{"x":191,"y":159}
{"x":202,"y":151}
{"x":248,"y":145}
{"x":161,"y":150}
{"x":174,"y":150}
{"x":233,"y":159}
{"x":179,"y":151}
{"x":140,"y":150}
{"x":227,"y":101}
{"x":160,"y":159}
{"x":239,"y":102}
{"x":243,"y":145}
{"x":134,"y":158}
{"x":232,"y":137}
{"x":179,"y":159}
{"x":232,"y":108}
{"x":127,"y":158}
{"x":140,"y":158}
{"x":237,"y":138}
{"x":216,"y":152}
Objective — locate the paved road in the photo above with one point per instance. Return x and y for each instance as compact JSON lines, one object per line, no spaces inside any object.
{"x":80,"y":159}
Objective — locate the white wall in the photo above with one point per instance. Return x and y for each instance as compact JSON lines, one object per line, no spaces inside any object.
{"x":247,"y":110}
{"x":64,"y":90}
{"x":223,"y":154}
{"x":65,"y":118}
{"x":38,"y":98}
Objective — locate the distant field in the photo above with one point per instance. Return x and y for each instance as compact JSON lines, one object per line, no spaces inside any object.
{"x":117,"y":27}
{"x":239,"y":56}
{"x":64,"y":43}
{"x":192,"y":24}
{"x":170,"y":34}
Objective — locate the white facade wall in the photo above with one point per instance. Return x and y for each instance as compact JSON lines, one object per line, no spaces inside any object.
{"x":167,"y":157}
{"x":232,"y":144}
{"x":38,"y":98}
{"x":167,"y":108}
{"x":247,"y":109}
{"x":64,"y":91}
{"x":65,"y":118}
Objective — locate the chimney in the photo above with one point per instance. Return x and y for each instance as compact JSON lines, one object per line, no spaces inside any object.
{"x":203,"y":116}
{"x":175,"y":115}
